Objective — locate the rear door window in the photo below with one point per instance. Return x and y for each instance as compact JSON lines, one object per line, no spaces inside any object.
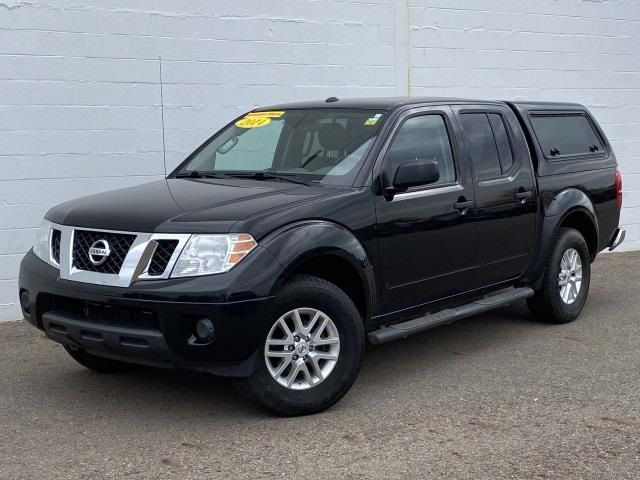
{"x":502,"y":141}
{"x":566,"y":134}
{"x":482,"y":145}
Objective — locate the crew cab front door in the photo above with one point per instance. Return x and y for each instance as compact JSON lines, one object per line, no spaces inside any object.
{"x":426,"y":234}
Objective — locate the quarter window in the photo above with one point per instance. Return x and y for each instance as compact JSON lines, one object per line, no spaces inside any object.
{"x":424,"y":137}
{"x":560,"y":135}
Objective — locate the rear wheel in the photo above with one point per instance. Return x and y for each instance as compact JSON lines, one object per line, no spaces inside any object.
{"x":97,"y":364}
{"x":311,"y":352}
{"x":566,"y":280}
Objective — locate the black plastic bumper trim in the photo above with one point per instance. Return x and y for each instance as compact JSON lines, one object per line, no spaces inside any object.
{"x":131,"y":345}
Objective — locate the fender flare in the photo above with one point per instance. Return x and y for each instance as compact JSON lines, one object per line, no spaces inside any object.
{"x":295,"y":243}
{"x":563,"y":204}
{"x":568,"y":199}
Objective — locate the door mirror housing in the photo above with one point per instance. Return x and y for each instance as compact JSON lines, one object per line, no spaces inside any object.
{"x":415,"y":173}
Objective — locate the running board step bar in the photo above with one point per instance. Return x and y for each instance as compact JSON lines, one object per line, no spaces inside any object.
{"x":449,"y":315}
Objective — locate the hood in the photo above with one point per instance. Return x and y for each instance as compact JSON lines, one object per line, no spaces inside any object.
{"x":183,"y":205}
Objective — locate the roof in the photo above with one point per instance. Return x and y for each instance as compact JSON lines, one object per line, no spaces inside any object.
{"x":524,"y":105}
{"x":391,"y":103}
{"x":374,"y":103}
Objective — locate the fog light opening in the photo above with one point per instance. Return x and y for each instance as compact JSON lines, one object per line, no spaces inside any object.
{"x":204,"y":331}
{"x":25,"y":302}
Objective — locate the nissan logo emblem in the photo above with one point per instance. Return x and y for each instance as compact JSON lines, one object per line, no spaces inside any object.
{"x":99,"y":252}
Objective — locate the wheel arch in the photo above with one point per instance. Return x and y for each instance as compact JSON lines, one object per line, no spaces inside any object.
{"x":586,"y":224}
{"x":329,"y":251}
{"x":570,"y":208}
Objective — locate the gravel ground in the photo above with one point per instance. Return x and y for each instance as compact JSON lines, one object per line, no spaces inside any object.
{"x":492,"y":397}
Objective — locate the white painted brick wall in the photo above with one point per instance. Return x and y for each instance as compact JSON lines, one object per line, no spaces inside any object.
{"x":80,"y":100}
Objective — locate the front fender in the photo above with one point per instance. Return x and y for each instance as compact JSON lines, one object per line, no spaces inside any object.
{"x":295,"y":243}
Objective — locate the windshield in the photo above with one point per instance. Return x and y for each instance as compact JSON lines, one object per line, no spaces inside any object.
{"x":315,"y":145}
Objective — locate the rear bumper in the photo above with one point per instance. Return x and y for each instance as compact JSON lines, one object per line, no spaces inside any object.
{"x":151,"y":323}
{"x":617,"y":239}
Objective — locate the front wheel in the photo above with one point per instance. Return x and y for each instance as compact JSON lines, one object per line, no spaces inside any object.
{"x":566,"y":280}
{"x":311,"y":352}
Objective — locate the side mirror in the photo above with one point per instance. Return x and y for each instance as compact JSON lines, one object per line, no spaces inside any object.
{"x":415,"y":173}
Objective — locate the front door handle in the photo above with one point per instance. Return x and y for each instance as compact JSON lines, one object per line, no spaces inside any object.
{"x":522,"y":195}
{"x":462,"y":205}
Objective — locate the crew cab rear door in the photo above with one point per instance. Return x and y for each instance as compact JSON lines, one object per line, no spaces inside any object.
{"x":505,"y":191}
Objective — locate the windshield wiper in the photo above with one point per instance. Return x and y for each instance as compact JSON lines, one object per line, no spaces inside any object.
{"x":267,"y":175}
{"x":308,"y":160}
{"x":197,"y":174}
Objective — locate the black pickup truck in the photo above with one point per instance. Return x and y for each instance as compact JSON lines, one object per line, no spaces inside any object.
{"x":299,"y":231}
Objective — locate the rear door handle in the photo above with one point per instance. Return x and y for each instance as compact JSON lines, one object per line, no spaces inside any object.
{"x":522,"y":196}
{"x":463,"y":205}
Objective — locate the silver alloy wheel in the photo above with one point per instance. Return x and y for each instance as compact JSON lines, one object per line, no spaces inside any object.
{"x":302,"y":348}
{"x":570,"y":277}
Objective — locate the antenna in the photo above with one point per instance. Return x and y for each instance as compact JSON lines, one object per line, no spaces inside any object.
{"x":164,"y":148}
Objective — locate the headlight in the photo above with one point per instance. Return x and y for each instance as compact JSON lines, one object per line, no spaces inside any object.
{"x":42,"y":244}
{"x":208,"y":254}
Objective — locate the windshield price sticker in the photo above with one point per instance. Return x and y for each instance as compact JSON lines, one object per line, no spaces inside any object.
{"x":257,"y":119}
{"x":266,"y":114}
{"x":253,"y":122}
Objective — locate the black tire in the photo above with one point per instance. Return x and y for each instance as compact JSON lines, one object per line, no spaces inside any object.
{"x":98,"y":364}
{"x":311,"y":292}
{"x":547,"y":305}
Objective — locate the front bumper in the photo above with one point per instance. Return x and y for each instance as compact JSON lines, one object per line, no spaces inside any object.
{"x":150,"y":322}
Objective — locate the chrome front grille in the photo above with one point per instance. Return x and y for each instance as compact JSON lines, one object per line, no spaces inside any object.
{"x":131,"y":256}
{"x":161,"y":257}
{"x":56,"y":238}
{"x":119,"y":245}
